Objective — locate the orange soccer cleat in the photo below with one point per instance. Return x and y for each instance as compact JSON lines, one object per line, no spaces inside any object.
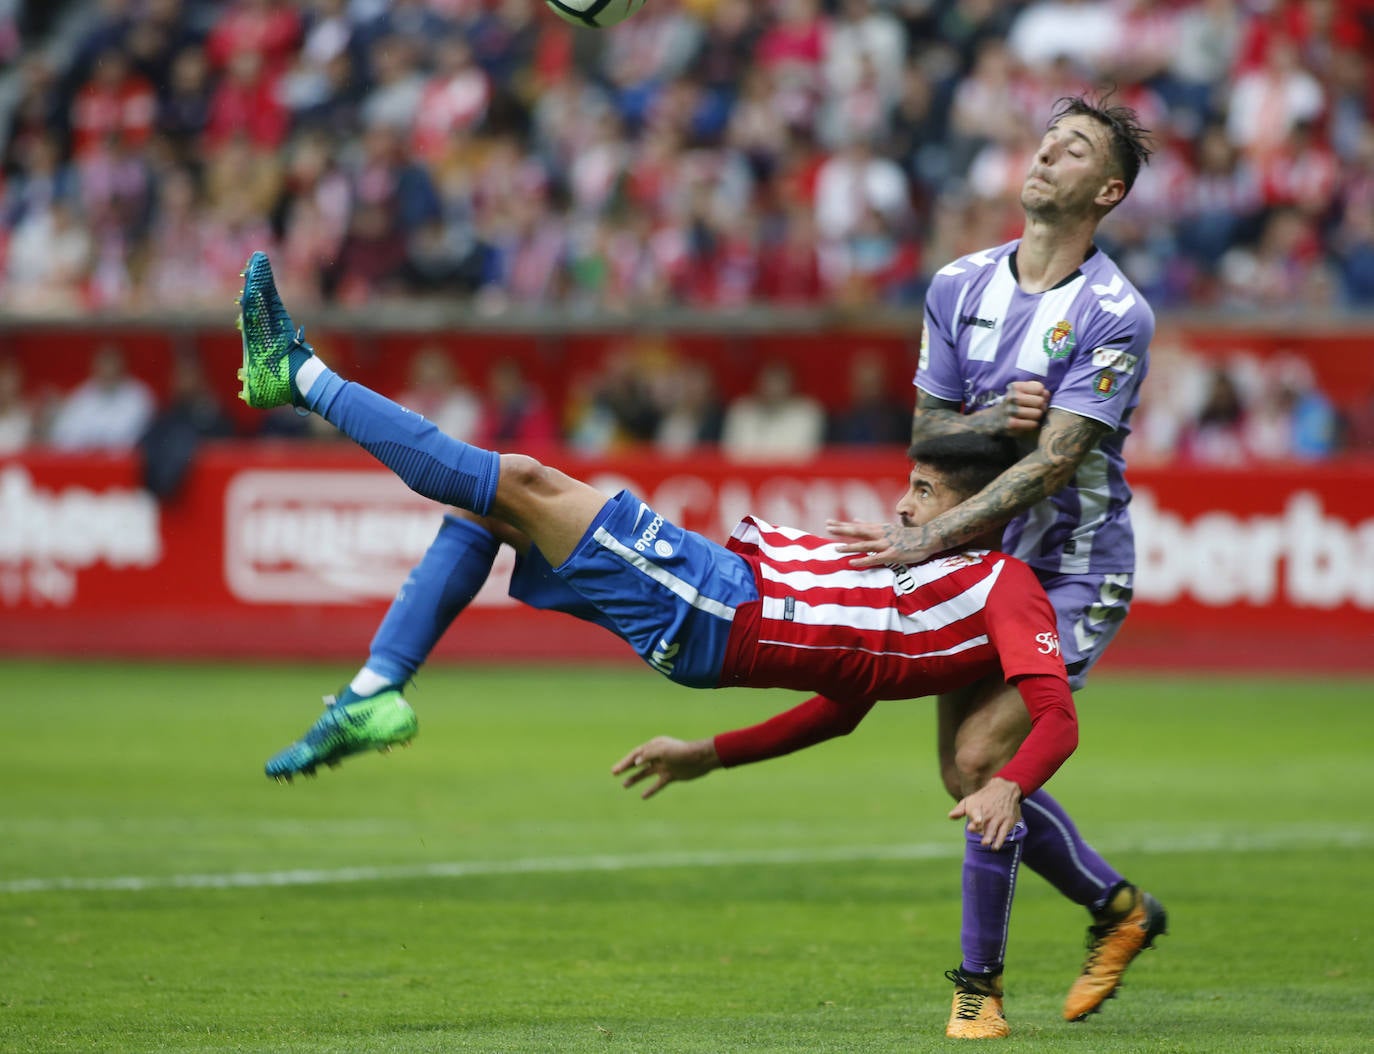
{"x":977,"y":1012}
{"x":1113,"y":943}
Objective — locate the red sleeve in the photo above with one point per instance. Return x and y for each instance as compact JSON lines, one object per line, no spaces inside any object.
{"x":1053,"y":735}
{"x":805,"y":725}
{"x":1022,"y":625}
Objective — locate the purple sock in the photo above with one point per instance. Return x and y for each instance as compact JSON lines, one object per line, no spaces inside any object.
{"x":989,"y":884}
{"x":1057,"y":853}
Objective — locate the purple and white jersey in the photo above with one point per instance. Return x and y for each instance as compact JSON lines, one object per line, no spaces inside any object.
{"x":1087,"y":340}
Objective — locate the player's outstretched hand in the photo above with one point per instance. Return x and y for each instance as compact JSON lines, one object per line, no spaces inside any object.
{"x":876,"y":544}
{"x":1024,"y":407}
{"x":992,"y":810}
{"x":670,"y":760}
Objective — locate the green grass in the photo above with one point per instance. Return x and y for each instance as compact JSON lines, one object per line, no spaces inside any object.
{"x":1244,"y":805}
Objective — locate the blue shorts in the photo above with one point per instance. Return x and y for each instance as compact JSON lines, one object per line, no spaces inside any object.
{"x":668,"y":592}
{"x":1089,"y":610}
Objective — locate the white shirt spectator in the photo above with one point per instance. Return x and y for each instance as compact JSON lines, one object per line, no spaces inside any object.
{"x":110,"y":411}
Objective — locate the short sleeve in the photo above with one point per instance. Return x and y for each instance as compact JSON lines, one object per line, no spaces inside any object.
{"x":1021,"y":624}
{"x":1106,"y":371}
{"x":937,"y":370}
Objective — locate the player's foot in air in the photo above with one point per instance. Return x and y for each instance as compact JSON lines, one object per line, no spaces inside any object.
{"x":348,"y":726}
{"x":273,"y":348}
{"x":977,"y":1011}
{"x":1114,"y":941}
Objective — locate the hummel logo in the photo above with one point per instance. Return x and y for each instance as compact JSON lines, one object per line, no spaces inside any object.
{"x":974,"y":320}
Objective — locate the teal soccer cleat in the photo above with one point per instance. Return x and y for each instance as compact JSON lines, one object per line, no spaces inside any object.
{"x":273,"y":348}
{"x":378,"y":722}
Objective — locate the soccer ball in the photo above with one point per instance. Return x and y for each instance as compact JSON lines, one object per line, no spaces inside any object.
{"x":594,"y":14}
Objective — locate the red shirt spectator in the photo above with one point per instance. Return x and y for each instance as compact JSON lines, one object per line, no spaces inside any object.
{"x":245,"y":104}
{"x":115,"y":101}
{"x":269,"y":29}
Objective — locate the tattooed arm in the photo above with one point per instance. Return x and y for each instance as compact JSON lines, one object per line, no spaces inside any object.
{"x":1065,"y":441}
{"x":1018,"y":413}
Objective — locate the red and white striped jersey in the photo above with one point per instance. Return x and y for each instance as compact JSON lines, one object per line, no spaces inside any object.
{"x":894,"y":632}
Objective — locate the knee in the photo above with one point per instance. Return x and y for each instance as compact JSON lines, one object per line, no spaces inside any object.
{"x":522,"y":471}
{"x":976,"y":761}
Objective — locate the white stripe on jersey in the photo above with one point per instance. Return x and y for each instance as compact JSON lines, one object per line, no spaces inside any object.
{"x":994,"y":303}
{"x":883,"y":617}
{"x":841,"y":575}
{"x":645,"y":566}
{"x":972,"y":642}
{"x":1094,"y":494}
{"x":1053,"y":306}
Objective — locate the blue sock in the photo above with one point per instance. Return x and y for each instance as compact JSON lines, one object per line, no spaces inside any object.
{"x":428,"y":461}
{"x":441,"y":585}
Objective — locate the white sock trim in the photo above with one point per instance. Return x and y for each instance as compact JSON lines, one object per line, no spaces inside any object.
{"x":367,"y":682}
{"x":311,"y":370}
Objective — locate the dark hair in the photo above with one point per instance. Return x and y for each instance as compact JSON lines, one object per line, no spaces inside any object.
{"x":1130,"y":142}
{"x":968,"y":461}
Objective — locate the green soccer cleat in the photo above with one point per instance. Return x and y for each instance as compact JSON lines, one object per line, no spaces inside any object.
{"x":378,"y":722}
{"x":273,"y":348}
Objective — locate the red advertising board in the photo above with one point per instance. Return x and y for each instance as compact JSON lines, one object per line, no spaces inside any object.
{"x":293,"y":551}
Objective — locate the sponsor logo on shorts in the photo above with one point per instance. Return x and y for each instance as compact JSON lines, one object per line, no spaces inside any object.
{"x":662,"y":549}
{"x":649,"y":535}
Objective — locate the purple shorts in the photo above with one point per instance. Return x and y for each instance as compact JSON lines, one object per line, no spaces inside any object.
{"x":1089,"y":609}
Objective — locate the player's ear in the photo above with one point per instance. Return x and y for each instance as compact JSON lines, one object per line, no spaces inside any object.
{"x":1111,"y":193}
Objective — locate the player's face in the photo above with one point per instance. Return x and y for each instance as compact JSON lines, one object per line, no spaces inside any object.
{"x":927,"y":495}
{"x":1072,"y":172}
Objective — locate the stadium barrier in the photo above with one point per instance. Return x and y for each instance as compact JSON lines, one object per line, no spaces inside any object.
{"x":292,"y":551}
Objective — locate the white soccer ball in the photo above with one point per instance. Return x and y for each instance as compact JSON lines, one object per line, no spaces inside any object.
{"x":594,"y":14}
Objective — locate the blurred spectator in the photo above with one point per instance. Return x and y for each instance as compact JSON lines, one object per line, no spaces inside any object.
{"x":1267,"y":102}
{"x":1291,"y":418}
{"x":1217,"y":436}
{"x":398,"y":85}
{"x":36,"y":112}
{"x":854,"y":182}
{"x":873,"y":413}
{"x":50,"y":255}
{"x":1084,"y":31}
{"x":514,"y":413}
{"x":454,"y":99}
{"x":184,"y":111}
{"x":269,"y":29}
{"x":17,"y":422}
{"x":774,"y":422}
{"x":245,"y":106}
{"x":191,"y":415}
{"x":115,"y":102}
{"x":437,"y":390}
{"x":1285,"y":269}
{"x":692,"y":415}
{"x":108,"y":411}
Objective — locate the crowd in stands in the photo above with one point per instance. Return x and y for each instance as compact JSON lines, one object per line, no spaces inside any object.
{"x":707,"y":153}
{"x":649,"y":397}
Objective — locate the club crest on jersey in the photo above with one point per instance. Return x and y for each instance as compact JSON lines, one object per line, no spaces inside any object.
{"x":1059,"y":340}
{"x":1106,"y":384}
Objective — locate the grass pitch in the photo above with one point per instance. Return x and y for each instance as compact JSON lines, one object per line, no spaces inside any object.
{"x":493,"y":889}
